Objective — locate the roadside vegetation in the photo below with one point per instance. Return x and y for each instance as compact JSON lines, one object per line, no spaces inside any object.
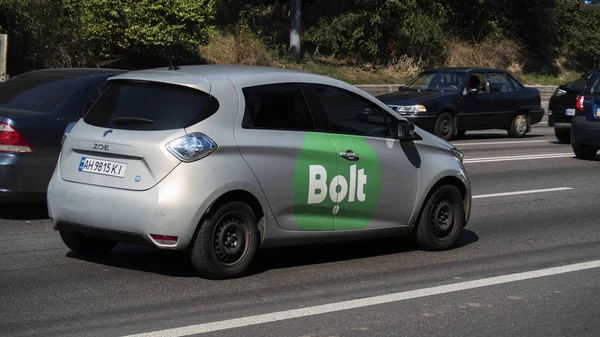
{"x":543,"y":42}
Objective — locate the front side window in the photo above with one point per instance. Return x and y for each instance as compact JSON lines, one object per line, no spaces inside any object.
{"x":277,"y":107}
{"x":436,"y":81}
{"x":499,"y":83}
{"x":348,"y":113}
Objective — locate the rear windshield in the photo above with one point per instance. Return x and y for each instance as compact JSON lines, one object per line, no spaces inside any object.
{"x":41,"y":93}
{"x":149,"y":106}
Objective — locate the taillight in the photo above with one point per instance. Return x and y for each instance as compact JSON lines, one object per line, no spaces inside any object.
{"x":579,"y":102}
{"x":12,"y":140}
{"x":192,"y":147}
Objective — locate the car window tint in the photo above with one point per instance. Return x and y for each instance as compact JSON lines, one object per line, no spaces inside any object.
{"x":595,"y":88}
{"x":351,"y":114}
{"x":150,"y":106}
{"x":499,"y":83}
{"x":516,"y":84}
{"x":477,"y":81}
{"x":35,"y":92}
{"x":577,"y":84}
{"x":91,"y":95}
{"x":276,"y":106}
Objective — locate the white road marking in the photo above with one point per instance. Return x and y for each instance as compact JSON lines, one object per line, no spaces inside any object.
{"x":521,"y":192}
{"x":365,"y":302}
{"x":502,"y":143}
{"x":522,"y":157}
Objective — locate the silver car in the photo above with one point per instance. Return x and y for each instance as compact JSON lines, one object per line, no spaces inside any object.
{"x":221,"y":160}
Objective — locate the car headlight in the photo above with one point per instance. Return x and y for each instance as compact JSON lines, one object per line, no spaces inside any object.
{"x":459,"y":155}
{"x":192,"y":147}
{"x":411,"y":108}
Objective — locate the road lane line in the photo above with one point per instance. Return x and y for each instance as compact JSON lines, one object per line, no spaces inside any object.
{"x":502,"y":143}
{"x":366,"y":302}
{"x":521,"y":157}
{"x":521,"y":192}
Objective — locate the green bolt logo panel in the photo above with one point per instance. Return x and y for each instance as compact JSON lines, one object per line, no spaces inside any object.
{"x":331,"y":192}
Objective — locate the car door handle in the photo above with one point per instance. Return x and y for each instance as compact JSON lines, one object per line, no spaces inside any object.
{"x":350,"y":155}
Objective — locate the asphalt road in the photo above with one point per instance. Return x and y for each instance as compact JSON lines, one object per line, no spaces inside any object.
{"x":497,"y":281}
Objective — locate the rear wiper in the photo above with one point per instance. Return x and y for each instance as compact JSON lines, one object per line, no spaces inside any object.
{"x":132,"y":120}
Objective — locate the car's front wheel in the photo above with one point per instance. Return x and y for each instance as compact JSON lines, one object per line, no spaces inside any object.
{"x":444,"y":126}
{"x":442,"y":219}
{"x":225,"y":245}
{"x":584,"y":152}
{"x":518,"y":126}
{"x":85,"y":245}
{"x":563,"y":135}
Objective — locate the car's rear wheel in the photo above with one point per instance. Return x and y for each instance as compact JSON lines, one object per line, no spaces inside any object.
{"x":518,"y":126}
{"x":563,"y":135}
{"x":584,"y":152}
{"x":225,"y":245}
{"x":444,"y":126}
{"x":442,"y":219}
{"x":85,"y":245}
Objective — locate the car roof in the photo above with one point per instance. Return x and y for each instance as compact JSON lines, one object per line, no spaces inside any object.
{"x":75,"y":72}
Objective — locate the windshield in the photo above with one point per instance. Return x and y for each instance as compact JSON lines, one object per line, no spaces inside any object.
{"x":40,"y":93}
{"x":436,"y":81}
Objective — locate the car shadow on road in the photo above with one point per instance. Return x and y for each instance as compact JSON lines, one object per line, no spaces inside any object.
{"x":326,"y":253}
{"x":176,"y":264}
{"x":492,"y":135}
{"x":24,"y":211}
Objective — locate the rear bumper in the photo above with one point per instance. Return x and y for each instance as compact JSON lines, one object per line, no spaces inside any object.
{"x":173,"y":207}
{"x":536,"y":115}
{"x":584,"y":132}
{"x":24,"y":177}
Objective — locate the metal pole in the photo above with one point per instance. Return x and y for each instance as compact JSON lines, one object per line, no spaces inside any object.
{"x":3,"y":53}
{"x":295,"y":15}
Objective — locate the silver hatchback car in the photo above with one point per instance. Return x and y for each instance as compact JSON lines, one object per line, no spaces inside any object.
{"x":221,"y":160}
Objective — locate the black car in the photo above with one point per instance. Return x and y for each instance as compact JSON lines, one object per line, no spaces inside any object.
{"x":35,"y":109}
{"x":561,"y":108}
{"x":585,"y":125}
{"x":452,"y":101}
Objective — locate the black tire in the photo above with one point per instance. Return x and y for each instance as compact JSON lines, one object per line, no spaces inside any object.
{"x":442,"y":220}
{"x":563,"y":135}
{"x":444,"y":126}
{"x":85,"y":245}
{"x":584,"y":152}
{"x":214,"y":250}
{"x":518,"y":126}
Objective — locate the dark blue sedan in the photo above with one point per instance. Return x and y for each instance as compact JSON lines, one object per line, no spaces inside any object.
{"x":35,"y":109}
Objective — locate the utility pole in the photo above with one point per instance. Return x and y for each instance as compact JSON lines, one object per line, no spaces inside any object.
{"x":3,"y":53}
{"x":295,"y":15}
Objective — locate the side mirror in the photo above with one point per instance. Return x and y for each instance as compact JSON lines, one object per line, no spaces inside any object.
{"x":406,"y":130}
{"x":472,"y":92}
{"x":70,"y":127}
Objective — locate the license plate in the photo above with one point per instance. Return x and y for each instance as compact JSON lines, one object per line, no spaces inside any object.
{"x":104,"y":167}
{"x":570,"y":112}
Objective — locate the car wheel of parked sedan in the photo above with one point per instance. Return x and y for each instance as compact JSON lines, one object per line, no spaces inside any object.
{"x":584,"y":152}
{"x":563,"y":135}
{"x":518,"y":126}
{"x":85,"y":245}
{"x":225,"y":245}
{"x":444,"y":126}
{"x":442,"y":219}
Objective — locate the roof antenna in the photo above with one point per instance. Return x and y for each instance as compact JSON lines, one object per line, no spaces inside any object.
{"x":172,"y":67}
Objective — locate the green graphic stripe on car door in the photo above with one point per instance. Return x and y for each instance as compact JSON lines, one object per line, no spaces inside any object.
{"x":316,"y":159}
{"x":363,"y":179}
{"x":326,"y":184}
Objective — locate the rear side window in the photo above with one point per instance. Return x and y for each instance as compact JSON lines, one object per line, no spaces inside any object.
{"x":518,"y":86}
{"x":499,"y":83}
{"x":276,"y":107}
{"x":41,"y":93}
{"x":150,"y":107}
